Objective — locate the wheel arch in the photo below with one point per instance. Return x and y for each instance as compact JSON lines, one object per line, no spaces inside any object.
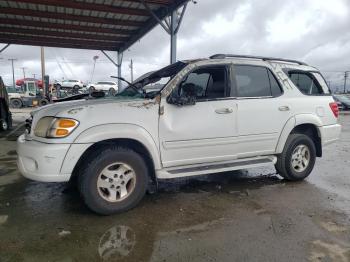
{"x":302,"y":124}
{"x":133,"y":144}
{"x":128,"y":135}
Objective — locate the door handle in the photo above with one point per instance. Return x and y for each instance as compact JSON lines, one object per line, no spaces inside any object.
{"x":224,"y":111}
{"x":284,"y":108}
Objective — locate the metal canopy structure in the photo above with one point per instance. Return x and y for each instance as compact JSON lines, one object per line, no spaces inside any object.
{"x":112,"y":25}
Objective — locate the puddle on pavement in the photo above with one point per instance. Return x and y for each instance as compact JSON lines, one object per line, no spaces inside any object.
{"x":12,"y":153}
{"x":188,"y":218}
{"x":322,"y":251}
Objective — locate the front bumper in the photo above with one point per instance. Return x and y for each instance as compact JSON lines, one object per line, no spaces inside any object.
{"x":40,"y":161}
{"x":330,"y":134}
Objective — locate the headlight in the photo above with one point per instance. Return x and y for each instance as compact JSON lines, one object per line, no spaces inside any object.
{"x":52,"y":127}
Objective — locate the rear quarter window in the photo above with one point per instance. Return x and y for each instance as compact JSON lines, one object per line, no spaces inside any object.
{"x":309,"y":83}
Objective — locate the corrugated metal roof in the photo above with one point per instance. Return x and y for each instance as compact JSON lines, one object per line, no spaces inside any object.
{"x":88,"y":24}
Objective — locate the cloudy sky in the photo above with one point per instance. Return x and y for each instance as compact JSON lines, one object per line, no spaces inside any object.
{"x":315,"y":31}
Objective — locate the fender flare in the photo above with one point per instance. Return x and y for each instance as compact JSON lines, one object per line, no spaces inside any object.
{"x":104,"y":132}
{"x":294,"y":121}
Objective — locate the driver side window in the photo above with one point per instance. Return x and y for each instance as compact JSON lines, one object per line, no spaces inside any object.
{"x":209,"y":82}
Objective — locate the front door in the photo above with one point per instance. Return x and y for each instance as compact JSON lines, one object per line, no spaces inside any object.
{"x":204,"y":132}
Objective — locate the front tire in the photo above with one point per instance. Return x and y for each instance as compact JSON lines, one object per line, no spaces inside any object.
{"x":298,"y":158}
{"x":16,"y":103}
{"x":3,"y":125}
{"x":114,"y":181}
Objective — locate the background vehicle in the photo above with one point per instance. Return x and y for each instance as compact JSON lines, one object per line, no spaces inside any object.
{"x":5,"y":114}
{"x":343,"y":101}
{"x":28,"y":94}
{"x":20,"y":82}
{"x":71,"y":84}
{"x":107,"y":86}
{"x":212,"y":115}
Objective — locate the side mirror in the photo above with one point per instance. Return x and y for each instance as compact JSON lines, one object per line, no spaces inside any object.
{"x":187,"y":95}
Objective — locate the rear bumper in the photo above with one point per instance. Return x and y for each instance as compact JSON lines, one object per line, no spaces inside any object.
{"x":41,"y":162}
{"x":330,"y":134}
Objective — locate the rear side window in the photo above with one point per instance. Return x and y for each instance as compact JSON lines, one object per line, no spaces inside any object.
{"x":309,"y":83}
{"x":256,"y":81}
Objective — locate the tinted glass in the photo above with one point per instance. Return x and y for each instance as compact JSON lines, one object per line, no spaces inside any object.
{"x":252,"y":81}
{"x":322,"y":82}
{"x":305,"y":83}
{"x":209,"y":82}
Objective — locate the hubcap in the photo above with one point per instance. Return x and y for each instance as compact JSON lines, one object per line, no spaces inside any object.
{"x":300,"y":158}
{"x":116,"y":182}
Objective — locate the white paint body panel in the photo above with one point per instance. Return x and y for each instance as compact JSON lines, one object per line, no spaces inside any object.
{"x":197,"y":134}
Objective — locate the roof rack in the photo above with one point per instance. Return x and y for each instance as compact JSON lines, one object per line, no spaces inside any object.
{"x":222,"y":56}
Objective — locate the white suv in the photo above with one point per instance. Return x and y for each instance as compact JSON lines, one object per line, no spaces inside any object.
{"x":211,"y":115}
{"x":107,"y":86}
{"x":75,"y":84}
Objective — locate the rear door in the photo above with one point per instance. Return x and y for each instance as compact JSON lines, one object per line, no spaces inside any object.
{"x":262,"y":112}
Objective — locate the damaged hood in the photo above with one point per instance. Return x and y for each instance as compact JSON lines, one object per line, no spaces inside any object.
{"x":70,"y":106}
{"x":97,"y":112}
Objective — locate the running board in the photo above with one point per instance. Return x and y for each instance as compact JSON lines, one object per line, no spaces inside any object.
{"x":202,"y":169}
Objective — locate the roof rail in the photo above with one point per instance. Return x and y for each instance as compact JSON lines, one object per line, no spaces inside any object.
{"x":222,"y":56}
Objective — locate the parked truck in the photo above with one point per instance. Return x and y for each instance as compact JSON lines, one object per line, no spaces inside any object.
{"x":28,"y":95}
{"x":5,"y":114}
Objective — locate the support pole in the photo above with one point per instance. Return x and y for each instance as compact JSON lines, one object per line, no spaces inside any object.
{"x":24,"y":71}
{"x":171,"y":27}
{"x":13,"y":71}
{"x":42,"y":56}
{"x":346,"y":75}
{"x":131,"y":71}
{"x":173,"y":37}
{"x":120,"y":62}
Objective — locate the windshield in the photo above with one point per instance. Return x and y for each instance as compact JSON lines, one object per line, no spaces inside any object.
{"x":11,"y":89}
{"x":150,"y":84}
{"x":31,"y":87}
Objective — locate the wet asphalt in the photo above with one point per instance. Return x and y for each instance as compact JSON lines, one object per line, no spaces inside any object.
{"x":249,"y":215}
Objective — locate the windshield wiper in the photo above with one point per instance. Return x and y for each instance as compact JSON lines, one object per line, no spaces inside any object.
{"x":126,"y":81}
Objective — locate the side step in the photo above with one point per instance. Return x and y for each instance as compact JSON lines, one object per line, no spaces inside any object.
{"x":217,"y":167}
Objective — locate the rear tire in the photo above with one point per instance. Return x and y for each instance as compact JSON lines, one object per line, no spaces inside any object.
{"x":297,"y":159}
{"x":111,"y":92}
{"x":113,"y":180}
{"x":16,"y":103}
{"x":43,"y":102}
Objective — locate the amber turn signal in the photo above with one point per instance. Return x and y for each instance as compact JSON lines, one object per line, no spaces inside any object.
{"x":61,"y":132}
{"x":66,"y":123}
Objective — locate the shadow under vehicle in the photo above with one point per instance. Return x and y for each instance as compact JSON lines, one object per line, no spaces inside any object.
{"x":5,"y":114}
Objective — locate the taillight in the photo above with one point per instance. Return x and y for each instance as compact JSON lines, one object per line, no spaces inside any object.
{"x":335,"y":109}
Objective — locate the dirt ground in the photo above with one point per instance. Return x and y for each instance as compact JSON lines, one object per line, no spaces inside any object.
{"x":250,"y":215}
